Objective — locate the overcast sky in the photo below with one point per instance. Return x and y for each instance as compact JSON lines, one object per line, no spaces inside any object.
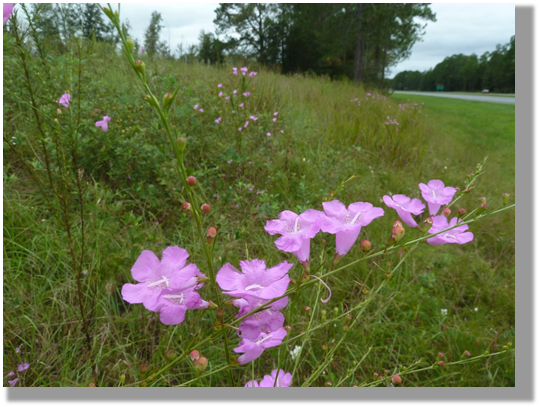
{"x":460,"y":28}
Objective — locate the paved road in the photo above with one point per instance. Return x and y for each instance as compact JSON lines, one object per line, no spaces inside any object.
{"x":477,"y":98}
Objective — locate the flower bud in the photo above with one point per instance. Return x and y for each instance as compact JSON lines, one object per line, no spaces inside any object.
{"x":376,"y":376}
{"x":308,"y":310}
{"x":167,"y":100}
{"x":457,"y":188}
{"x":396,"y":379}
{"x":441,"y":355}
{"x":205,"y":208}
{"x":397,"y":232}
{"x":323,"y":315}
{"x":441,"y":363}
{"x":329,"y":384}
{"x":366,"y":246}
{"x":462,"y":211}
{"x":191,"y":181}
{"x":171,"y":355}
{"x":482,"y":199}
{"x":194,"y":355}
{"x":59,"y":111}
{"x":287,"y":328}
{"x":201,"y":364}
{"x":130,"y":44}
{"x":91,"y":384}
{"x":325,"y":347}
{"x":505,"y":196}
{"x":108,"y":12}
{"x":212,"y":305}
{"x":210,"y":234}
{"x":151,"y":100}
{"x":467,"y":190}
{"x":186,"y":207}
{"x":446,"y":212}
{"x":335,"y":312}
{"x":140,"y":67}
{"x":466,"y":354}
{"x":122,"y":379}
{"x":143,"y":367}
{"x":181,"y":143}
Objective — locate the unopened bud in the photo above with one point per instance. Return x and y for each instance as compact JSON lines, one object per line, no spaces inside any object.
{"x":201,"y":279}
{"x":457,"y":188}
{"x":59,"y":111}
{"x":287,"y":328}
{"x":505,"y":196}
{"x":366,"y":246}
{"x":181,"y":143}
{"x":194,"y":355}
{"x":441,"y":355}
{"x":108,"y":12}
{"x":205,"y":208}
{"x":376,"y":376}
{"x":462,"y":211}
{"x":191,"y":181}
{"x":441,"y":363}
{"x":122,"y":379}
{"x":467,"y":190}
{"x":396,"y":379}
{"x":151,"y":100}
{"x":308,"y":309}
{"x":210,"y":234}
{"x":323,"y":315}
{"x":186,"y":207}
{"x":306,"y":265}
{"x":91,"y":384}
{"x":130,"y":44}
{"x":201,"y":364}
{"x":397,"y":232}
{"x":325,"y":347}
{"x":167,"y":100}
{"x":484,"y":205}
{"x":140,"y":67}
{"x":143,"y":368}
{"x":329,"y":384}
{"x":446,"y":212}
{"x":482,"y":199}
{"x":212,"y":305}
{"x":466,"y":354}
{"x":335,"y":312}
{"x":171,"y":355}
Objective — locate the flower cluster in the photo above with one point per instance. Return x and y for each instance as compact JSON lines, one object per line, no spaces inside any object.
{"x":167,"y":286}
{"x":253,"y":287}
{"x":436,"y":194}
{"x":345,"y":223}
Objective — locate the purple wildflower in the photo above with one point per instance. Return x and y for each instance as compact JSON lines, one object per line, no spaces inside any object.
{"x":173,"y":302}
{"x":229,"y":161}
{"x":268,"y":134}
{"x":457,"y":235}
{"x":346,"y":223}
{"x":154,"y":275}
{"x":227,"y":97}
{"x":253,"y":118}
{"x":255,"y":279}
{"x":234,"y":71}
{"x":248,"y":303}
{"x":218,"y":120}
{"x":22,"y":367}
{"x":252,"y":349}
{"x":436,"y":194}
{"x":8,"y":10}
{"x":64,"y":100}
{"x":246,"y":124}
{"x":11,"y":374}
{"x":220,"y":85}
{"x":195,"y":107}
{"x":247,"y":94}
{"x":405,"y":207}
{"x":201,"y":110}
{"x":220,"y":93}
{"x":104,"y":124}
{"x":251,"y":383}
{"x":241,"y":105}
{"x":263,"y":321}
{"x":296,"y":230}
{"x":234,"y":91}
{"x":252,"y":73}
{"x":283,"y":379}
{"x":274,"y":119}
{"x":13,"y":382}
{"x":276,"y":113}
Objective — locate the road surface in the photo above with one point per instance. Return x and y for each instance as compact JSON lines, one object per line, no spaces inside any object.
{"x":477,"y":98}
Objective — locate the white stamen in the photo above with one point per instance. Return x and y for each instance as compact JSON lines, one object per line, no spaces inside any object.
{"x":263,"y":339}
{"x":252,"y":286}
{"x":297,"y":227}
{"x":160,"y":282}
{"x":357,"y":217}
{"x":176,"y":298}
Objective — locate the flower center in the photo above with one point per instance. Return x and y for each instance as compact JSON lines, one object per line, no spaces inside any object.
{"x":160,"y":283}
{"x":450,"y":236}
{"x":177,"y":298}
{"x":253,"y":287}
{"x":433,"y":193}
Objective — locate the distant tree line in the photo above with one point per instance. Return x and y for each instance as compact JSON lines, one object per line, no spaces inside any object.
{"x":358,"y":41}
{"x":494,"y":71}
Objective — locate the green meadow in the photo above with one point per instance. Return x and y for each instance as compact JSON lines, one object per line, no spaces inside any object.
{"x":330,"y":140}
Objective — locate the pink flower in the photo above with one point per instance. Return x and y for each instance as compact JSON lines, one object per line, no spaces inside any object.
{"x":283,"y":379}
{"x":346,"y":223}
{"x":248,"y":303}
{"x":64,"y":100}
{"x":405,"y":207}
{"x":201,"y":110}
{"x":268,"y":134}
{"x":220,"y":85}
{"x":255,"y":279}
{"x":218,"y":120}
{"x":173,"y":302}
{"x":247,"y":94}
{"x":104,"y":124}
{"x":253,"y":73}
{"x":263,"y":321}
{"x":252,"y":349}
{"x":153,"y":276}
{"x":251,"y":383}
{"x":13,"y":382}
{"x":227,"y":97}
{"x":220,"y":93}
{"x":8,"y":10}
{"x":234,"y":71}
{"x":282,"y":131}
{"x":11,"y":374}
{"x":296,"y":230}
{"x":234,"y":91}
{"x":457,"y":235}
{"x":246,"y":124}
{"x":436,"y":194}
{"x":241,"y":105}
{"x":22,"y":367}
{"x":276,"y":113}
{"x":274,"y":119}
{"x":253,"y":118}
{"x":239,"y":128}
{"x":244,"y":69}
{"x":195,"y":107}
